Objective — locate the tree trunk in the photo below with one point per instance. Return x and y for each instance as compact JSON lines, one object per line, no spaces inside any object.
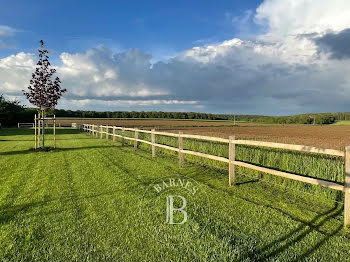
{"x":43,"y":128}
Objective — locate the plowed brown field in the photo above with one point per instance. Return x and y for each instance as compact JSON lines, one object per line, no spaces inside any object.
{"x":336,"y":137}
{"x":327,"y":136}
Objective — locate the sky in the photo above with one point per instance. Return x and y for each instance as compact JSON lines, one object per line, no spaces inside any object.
{"x":271,"y":57}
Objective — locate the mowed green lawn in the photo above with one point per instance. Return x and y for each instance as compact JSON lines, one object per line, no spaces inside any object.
{"x":81,"y":203}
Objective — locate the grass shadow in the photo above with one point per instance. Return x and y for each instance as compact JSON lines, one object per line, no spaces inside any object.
{"x":271,"y":250}
{"x":32,"y":151}
{"x":281,"y":244}
{"x":247,"y":182}
{"x":9,"y":211}
{"x":30,"y":131}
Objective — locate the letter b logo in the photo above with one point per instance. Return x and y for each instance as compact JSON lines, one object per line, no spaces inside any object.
{"x":170,"y":209}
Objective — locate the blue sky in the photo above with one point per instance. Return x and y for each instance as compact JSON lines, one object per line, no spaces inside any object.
{"x":162,"y":28}
{"x":271,"y":57}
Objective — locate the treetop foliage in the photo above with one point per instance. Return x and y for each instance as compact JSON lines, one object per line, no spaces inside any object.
{"x":42,"y":91}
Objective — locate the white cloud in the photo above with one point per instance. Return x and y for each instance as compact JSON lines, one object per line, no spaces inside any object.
{"x":101,"y":73}
{"x":293,"y":17}
{"x":21,"y":60}
{"x":112,"y":103}
{"x":15,"y":72}
{"x":6,"y":31}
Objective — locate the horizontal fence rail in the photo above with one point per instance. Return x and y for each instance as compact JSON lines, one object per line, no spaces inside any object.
{"x":102,"y":129}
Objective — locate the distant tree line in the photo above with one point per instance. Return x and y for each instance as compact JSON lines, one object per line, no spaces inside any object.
{"x":317,"y":119}
{"x":152,"y":114}
{"x":11,"y":112}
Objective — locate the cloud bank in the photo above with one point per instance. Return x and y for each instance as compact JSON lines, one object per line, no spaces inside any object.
{"x":301,"y":64}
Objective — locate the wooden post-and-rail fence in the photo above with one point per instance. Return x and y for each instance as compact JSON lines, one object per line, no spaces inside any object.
{"x":231,"y":161}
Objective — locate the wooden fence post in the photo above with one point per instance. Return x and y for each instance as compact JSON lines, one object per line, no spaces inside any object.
{"x":35,"y":138}
{"x":153,"y":139}
{"x":231,"y":166}
{"x":136,"y":137}
{"x":181,"y":156}
{"x":107,"y":132}
{"x":113,"y":133}
{"x":123,"y":136}
{"x":347,"y":188}
{"x":100,"y":132}
{"x":54,"y":131}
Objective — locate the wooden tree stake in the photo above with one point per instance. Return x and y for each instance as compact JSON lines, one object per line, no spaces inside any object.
{"x":54,"y":131}
{"x":35,"y":134}
{"x":39,"y":129}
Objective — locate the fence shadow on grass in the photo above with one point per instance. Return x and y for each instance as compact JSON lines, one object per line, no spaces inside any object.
{"x":9,"y":211}
{"x":31,"y":150}
{"x":247,"y":182}
{"x":48,"y":140}
{"x":30,"y":131}
{"x":281,"y":244}
{"x":306,"y":228}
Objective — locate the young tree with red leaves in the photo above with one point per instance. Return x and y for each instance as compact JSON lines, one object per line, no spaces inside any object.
{"x":42,"y":91}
